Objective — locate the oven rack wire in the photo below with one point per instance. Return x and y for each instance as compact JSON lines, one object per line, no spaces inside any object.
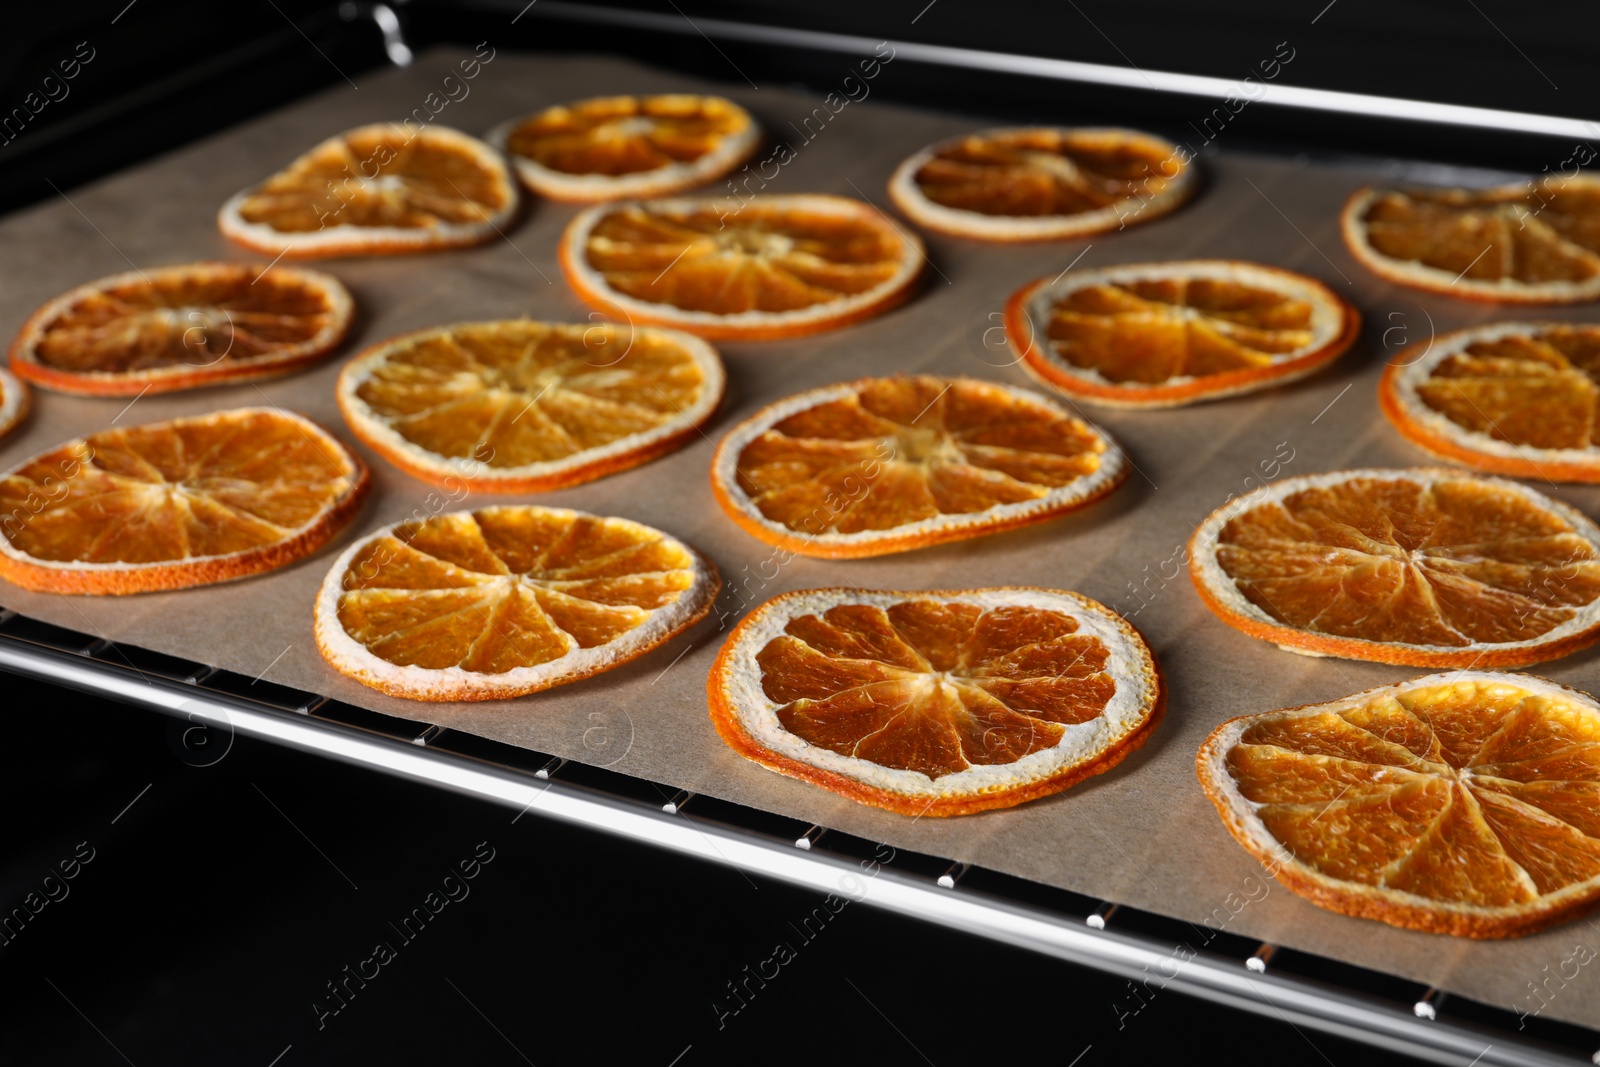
{"x":1152,"y":952}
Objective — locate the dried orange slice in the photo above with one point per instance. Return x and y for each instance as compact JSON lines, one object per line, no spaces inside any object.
{"x":1042,"y":183}
{"x":14,"y":402}
{"x":1537,"y":242}
{"x":613,"y":147}
{"x":168,"y":505}
{"x":766,"y":267}
{"x":377,"y":189}
{"x":1432,"y":568}
{"x":524,"y":407}
{"x":935,"y":703}
{"x":1460,"y":803}
{"x":1519,"y":398}
{"x":883,"y":465}
{"x":1162,"y":334}
{"x":503,"y":601}
{"x":182,"y":327}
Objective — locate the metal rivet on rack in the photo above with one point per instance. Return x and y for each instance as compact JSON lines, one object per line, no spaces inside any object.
{"x":1427,"y":1005}
{"x":810,"y":837}
{"x":1261,"y":957}
{"x":1101,"y":915}
{"x":200,"y":674}
{"x":428,"y":736}
{"x":310,"y":707}
{"x":679,"y":799}
{"x":949,"y":878}
{"x":99,"y":645}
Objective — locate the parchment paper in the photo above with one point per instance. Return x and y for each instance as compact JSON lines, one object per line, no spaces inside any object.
{"x":1143,"y":834}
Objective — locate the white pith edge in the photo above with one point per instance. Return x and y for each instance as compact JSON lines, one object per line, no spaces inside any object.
{"x":13,"y":401}
{"x":904,"y":191}
{"x":1353,"y":224}
{"x":353,"y":240}
{"x":340,"y":309}
{"x":1409,"y":376}
{"x":328,"y":444}
{"x":576,"y":240}
{"x":1213,"y":768}
{"x":1130,"y":664}
{"x":732,"y":150}
{"x":360,"y":369}
{"x":1221,"y":586}
{"x":353,"y":658}
{"x":724,"y":467}
{"x":1328,"y":321}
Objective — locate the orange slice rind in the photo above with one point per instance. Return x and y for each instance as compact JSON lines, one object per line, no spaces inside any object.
{"x":14,"y":402}
{"x":614,"y":147}
{"x":504,"y":601}
{"x":882,"y":465}
{"x":1517,"y":398}
{"x":1423,"y":567}
{"x":755,"y":269}
{"x":182,"y":327}
{"x":168,"y":505}
{"x":935,"y":703}
{"x":1042,"y":183}
{"x":525,"y":407}
{"x":1459,"y":803}
{"x":1537,"y":242}
{"x":1163,"y":334}
{"x":377,"y":189}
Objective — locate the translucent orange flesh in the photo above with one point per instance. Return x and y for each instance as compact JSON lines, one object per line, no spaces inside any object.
{"x":1538,"y":390}
{"x":757,"y":257}
{"x":511,"y":394}
{"x":379,"y":179}
{"x":1452,"y":564}
{"x":1548,"y":232}
{"x":1473,"y":792}
{"x":626,"y":134}
{"x":911,"y":448}
{"x":1046,"y":172}
{"x":172,"y":491}
{"x":200,"y":319}
{"x":932,"y":686}
{"x":1152,"y":330}
{"x":503,"y":588}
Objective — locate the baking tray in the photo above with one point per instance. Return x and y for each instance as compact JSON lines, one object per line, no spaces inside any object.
{"x":1142,"y":836}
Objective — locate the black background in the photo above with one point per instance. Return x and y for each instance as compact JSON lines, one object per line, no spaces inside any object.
{"x":223,"y":899}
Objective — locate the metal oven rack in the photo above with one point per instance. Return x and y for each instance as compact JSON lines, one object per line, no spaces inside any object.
{"x":1144,"y":948}
{"x":1150,"y":951}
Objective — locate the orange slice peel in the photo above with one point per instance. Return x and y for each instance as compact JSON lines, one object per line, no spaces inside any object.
{"x":882,"y":465}
{"x":374,"y":190}
{"x":1459,"y":803}
{"x":1164,"y":334}
{"x":935,"y":703}
{"x":1042,"y":183}
{"x":181,"y":328}
{"x":505,"y":601}
{"x":1537,"y":242}
{"x":525,"y":407}
{"x":615,"y":147}
{"x":1424,"y":567}
{"x":757,"y":269}
{"x":1517,"y":398}
{"x":168,"y":505}
{"x":15,"y":402}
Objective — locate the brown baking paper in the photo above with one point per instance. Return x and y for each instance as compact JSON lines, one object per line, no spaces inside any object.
{"x":1142,"y":834}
